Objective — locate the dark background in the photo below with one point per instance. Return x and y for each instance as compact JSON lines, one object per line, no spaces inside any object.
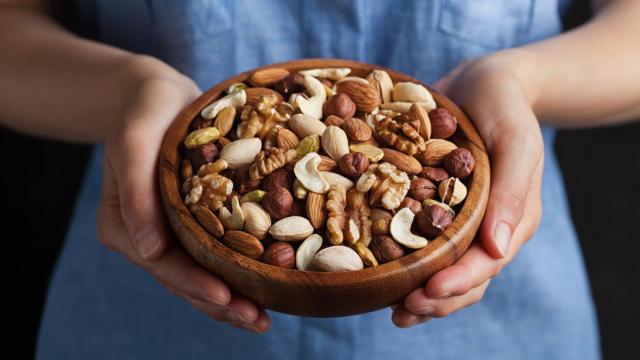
{"x":602,"y":173}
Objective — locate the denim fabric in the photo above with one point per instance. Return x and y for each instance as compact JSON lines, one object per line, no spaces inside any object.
{"x":100,"y":306}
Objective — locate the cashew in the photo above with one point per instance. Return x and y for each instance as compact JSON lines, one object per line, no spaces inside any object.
{"x":382,"y":79}
{"x":336,"y":179}
{"x":404,"y":107}
{"x":328,"y":73}
{"x":307,"y":250}
{"x":354,"y":78}
{"x":310,"y":106}
{"x":232,"y":220}
{"x":400,"y":229}
{"x":235,"y":100}
{"x":306,"y":171}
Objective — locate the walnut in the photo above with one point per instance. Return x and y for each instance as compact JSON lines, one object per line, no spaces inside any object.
{"x":208,"y":187}
{"x":401,"y":133}
{"x":268,"y":161}
{"x":263,"y":120}
{"x":388,"y":185}
{"x":337,"y":217}
{"x":359,"y":211}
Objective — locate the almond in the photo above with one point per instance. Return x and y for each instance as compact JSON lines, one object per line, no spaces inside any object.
{"x":244,"y":243}
{"x":286,"y":139}
{"x":364,"y":95}
{"x":327,"y":164}
{"x":315,"y":209}
{"x":267,"y":77}
{"x":357,"y":130}
{"x":417,"y":112}
{"x":402,"y":161}
{"x":255,"y":94}
{"x":335,"y":142}
{"x":435,"y":151}
{"x":209,"y":221}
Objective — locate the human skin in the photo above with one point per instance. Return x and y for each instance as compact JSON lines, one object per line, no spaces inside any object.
{"x":57,"y":85}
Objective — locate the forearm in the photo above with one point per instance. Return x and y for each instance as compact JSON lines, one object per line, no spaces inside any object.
{"x":589,"y":76}
{"x":58,"y":85}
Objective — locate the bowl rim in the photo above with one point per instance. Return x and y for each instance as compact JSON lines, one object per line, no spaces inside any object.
{"x":467,"y":219}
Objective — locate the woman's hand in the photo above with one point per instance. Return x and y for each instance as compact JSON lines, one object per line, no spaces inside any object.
{"x":130,"y":217}
{"x":499,"y":103}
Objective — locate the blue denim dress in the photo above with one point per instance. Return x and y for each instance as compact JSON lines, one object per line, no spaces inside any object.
{"x":100,"y":306}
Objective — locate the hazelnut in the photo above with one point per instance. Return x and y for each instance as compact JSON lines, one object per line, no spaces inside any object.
{"x":203,"y":154}
{"x":459,"y":163}
{"x":381,"y":221}
{"x":385,"y":249}
{"x":452,"y":191}
{"x":353,"y":164}
{"x":200,"y":123}
{"x":334,"y":120}
{"x":434,"y":174}
{"x":433,"y":220}
{"x":339,"y":105}
{"x":357,"y":130}
{"x":278,"y":178}
{"x":245,"y":184}
{"x":278,"y":203}
{"x":281,"y":254}
{"x":414,"y":205}
{"x":443,"y":123}
{"x":421,"y":189}
{"x":292,"y":83}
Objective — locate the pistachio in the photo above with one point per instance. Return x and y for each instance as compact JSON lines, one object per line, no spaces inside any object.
{"x":292,"y":228}
{"x":257,"y":222}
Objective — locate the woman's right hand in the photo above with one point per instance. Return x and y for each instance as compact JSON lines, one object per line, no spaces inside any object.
{"x":130,"y":216}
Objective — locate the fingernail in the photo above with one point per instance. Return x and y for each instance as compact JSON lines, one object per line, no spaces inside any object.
{"x":235,"y":317}
{"x":147,"y":240}
{"x":424,"y":310}
{"x":503,"y":237}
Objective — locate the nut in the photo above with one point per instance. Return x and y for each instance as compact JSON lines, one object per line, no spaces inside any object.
{"x":299,"y":191}
{"x":401,"y":230}
{"x":267,"y":77}
{"x":336,"y":179}
{"x":327,"y":73}
{"x":232,"y":220}
{"x":353,"y":164}
{"x":385,"y":249}
{"x":256,"y":94}
{"x":434,"y":174}
{"x":435,"y":151}
{"x":412,"y":93}
{"x":244,"y":182}
{"x":292,"y":228}
{"x":358,"y":209}
{"x":333,"y":120}
{"x":223,"y":141}
{"x":443,"y":123}
{"x":388,"y":185}
{"x":307,"y":251}
{"x":268,"y":161}
{"x":339,"y":105}
{"x":381,"y":221}
{"x":244,"y":243}
{"x":224,"y":120}
{"x":402,"y":161}
{"x":309,"y":144}
{"x":208,"y":220}
{"x":278,"y":203}
{"x":381,"y":80}
{"x":401,"y":133}
{"x":241,"y":152}
{"x":254,"y":196}
{"x":236,"y":99}
{"x":365,"y":96}
{"x":335,"y":259}
{"x":280,"y":254}
{"x":203,"y":154}
{"x":405,"y":107}
{"x":201,"y":136}
{"x":311,"y":106}
{"x":186,"y":170}
{"x":356,"y":129}
{"x":327,"y":164}
{"x":417,"y":112}
{"x":459,"y":163}
{"x":412,"y":204}
{"x":305,"y":125}
{"x":452,"y":191}
{"x":256,"y":220}
{"x":292,"y":83}
{"x":335,"y":142}
{"x":199,"y":122}
{"x":373,"y":153}
{"x":235,"y":87}
{"x":286,"y":139}
{"x":432,"y":221}
{"x":421,"y":189}
{"x":432,"y":202}
{"x":278,"y":178}
{"x":315,"y":207}
{"x":365,"y":254}
{"x":306,"y":171}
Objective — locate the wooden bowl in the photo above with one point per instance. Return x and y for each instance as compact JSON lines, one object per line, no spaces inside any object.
{"x":323,"y":294}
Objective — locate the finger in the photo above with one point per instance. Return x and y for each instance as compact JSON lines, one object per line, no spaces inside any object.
{"x":443,"y":85}
{"x":241,"y":309}
{"x":403,"y":318}
{"x":417,"y":304}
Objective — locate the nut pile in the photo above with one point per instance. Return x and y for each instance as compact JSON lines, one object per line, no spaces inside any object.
{"x":319,"y":170}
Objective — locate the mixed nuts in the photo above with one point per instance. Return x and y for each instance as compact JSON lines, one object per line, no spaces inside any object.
{"x":325,"y":171}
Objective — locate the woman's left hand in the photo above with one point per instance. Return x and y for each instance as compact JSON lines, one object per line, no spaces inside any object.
{"x":499,"y":104}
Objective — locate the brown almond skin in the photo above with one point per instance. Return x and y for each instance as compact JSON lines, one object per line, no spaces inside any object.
{"x":209,"y":221}
{"x":385,"y":249}
{"x":204,"y":154}
{"x":434,"y":174}
{"x":381,"y":221}
{"x":290,"y":84}
{"x":281,"y":254}
{"x":278,"y":203}
{"x":267,"y":77}
{"x":402,"y":161}
{"x":327,"y":164}
{"x":443,"y":123}
{"x":422,"y":188}
{"x":339,"y":105}
{"x":356,"y":129}
{"x":353,"y":164}
{"x":432,"y":221}
{"x":459,"y":163}
{"x":315,"y":207}
{"x":279,"y":178}
{"x":333,"y":120}
{"x":244,"y":243}
{"x":414,"y":205}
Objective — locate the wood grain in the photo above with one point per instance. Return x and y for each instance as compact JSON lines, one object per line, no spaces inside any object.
{"x":314,"y":293}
